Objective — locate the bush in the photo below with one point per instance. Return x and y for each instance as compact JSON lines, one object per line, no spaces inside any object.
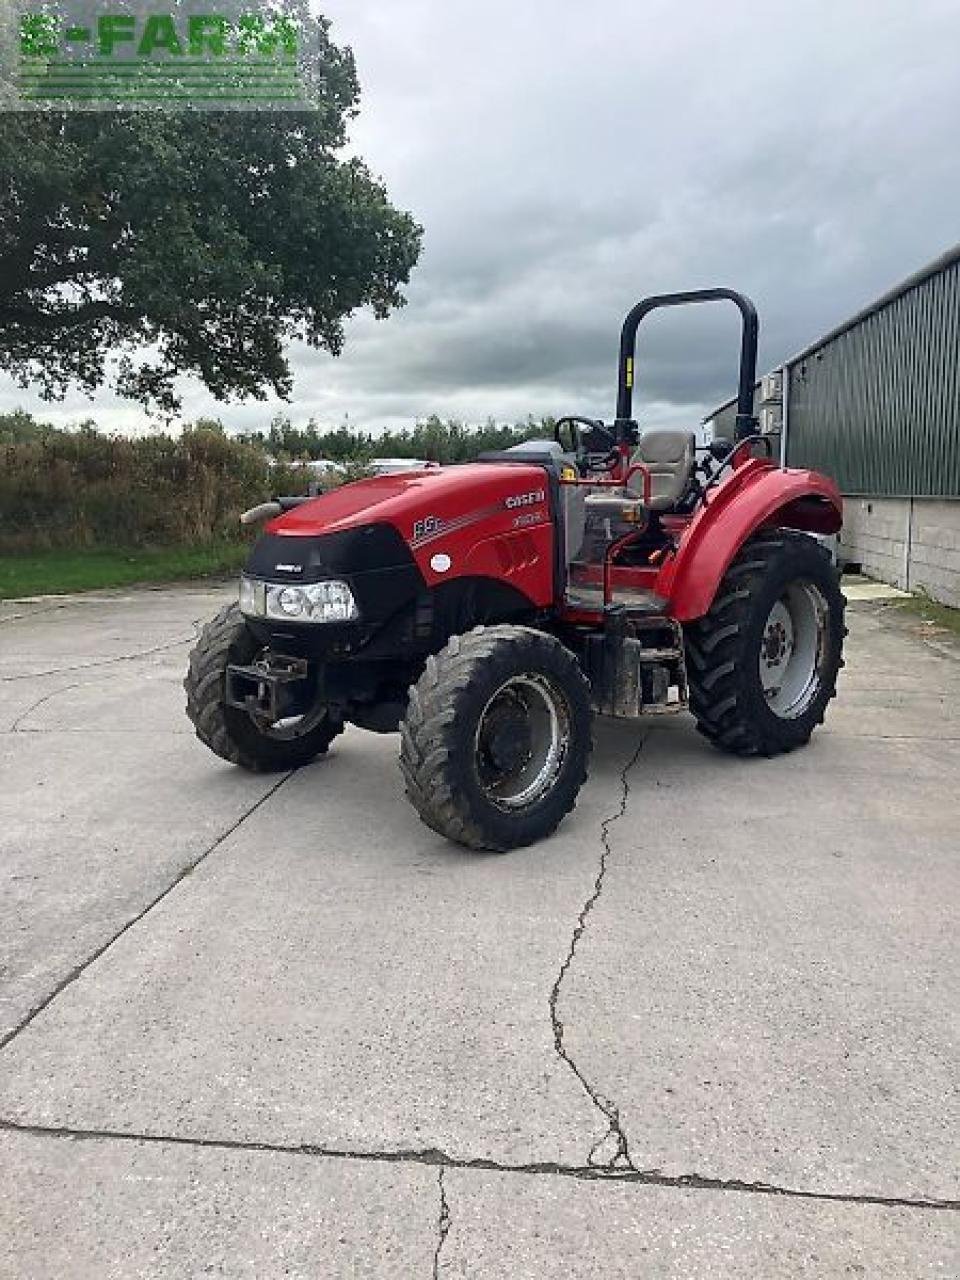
{"x":72,"y":489}
{"x":433,"y":439}
{"x":86,"y":489}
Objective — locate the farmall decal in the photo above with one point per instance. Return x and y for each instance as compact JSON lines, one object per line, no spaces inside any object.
{"x":432,"y":527}
{"x":427,"y":528}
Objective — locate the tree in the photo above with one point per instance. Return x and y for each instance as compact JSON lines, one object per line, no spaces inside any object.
{"x":137,"y":247}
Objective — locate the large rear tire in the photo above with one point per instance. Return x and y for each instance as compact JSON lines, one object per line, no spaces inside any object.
{"x":497,"y":735}
{"x":229,"y":732}
{"x":762,"y":664}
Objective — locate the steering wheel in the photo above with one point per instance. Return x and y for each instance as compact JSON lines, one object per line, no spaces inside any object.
{"x":587,"y":459}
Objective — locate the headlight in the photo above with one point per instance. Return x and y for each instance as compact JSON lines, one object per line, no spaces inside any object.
{"x":252,"y":597}
{"x":330,"y":601}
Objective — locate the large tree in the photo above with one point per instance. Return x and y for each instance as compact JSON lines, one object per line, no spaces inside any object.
{"x":138,"y":246}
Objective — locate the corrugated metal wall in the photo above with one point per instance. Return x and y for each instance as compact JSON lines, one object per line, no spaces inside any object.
{"x":878,"y":406}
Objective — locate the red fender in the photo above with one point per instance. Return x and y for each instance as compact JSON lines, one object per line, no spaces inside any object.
{"x":753,"y":495}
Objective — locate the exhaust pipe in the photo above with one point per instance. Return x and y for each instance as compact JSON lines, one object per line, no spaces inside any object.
{"x":265,"y":511}
{"x":275,"y":507}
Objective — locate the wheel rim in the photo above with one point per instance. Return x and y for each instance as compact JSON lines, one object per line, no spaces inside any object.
{"x":286,"y":730}
{"x":521,"y":741}
{"x":792,"y":650}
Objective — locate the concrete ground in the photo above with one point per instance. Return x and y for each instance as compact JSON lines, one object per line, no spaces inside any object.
{"x":274,"y":1026}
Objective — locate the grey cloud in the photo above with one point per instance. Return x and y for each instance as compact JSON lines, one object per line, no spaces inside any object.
{"x":566,"y":160}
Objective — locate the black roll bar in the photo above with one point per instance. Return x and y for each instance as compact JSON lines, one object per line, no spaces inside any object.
{"x":746,"y":423}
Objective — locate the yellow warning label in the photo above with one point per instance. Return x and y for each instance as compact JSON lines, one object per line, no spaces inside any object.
{"x":629,"y":371}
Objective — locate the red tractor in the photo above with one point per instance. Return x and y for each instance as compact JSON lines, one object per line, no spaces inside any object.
{"x":489,"y":610}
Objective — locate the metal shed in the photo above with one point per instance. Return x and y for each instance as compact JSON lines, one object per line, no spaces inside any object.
{"x":876,"y":404}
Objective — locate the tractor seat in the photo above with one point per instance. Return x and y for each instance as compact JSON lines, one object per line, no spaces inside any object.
{"x":669,"y":458}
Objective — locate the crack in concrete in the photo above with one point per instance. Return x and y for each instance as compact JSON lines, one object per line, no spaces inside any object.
{"x":33,"y":613}
{"x":434,"y":1158}
{"x":181,"y":875}
{"x":15,"y":727}
{"x":443,"y":1224}
{"x":621,"y":1157}
{"x":109,"y":662}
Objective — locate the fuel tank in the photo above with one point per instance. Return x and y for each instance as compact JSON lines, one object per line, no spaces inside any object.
{"x":487,"y":520}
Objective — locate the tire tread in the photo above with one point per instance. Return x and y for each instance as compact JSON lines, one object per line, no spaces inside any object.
{"x":715,"y":654}
{"x":427,"y":733}
{"x":222,"y":641}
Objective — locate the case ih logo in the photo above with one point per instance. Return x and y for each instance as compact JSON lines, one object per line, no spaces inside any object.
{"x":525,"y":499}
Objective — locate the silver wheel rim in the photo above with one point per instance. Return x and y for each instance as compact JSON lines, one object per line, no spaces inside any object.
{"x":289,"y":728}
{"x":521,"y":741}
{"x":792,"y":650}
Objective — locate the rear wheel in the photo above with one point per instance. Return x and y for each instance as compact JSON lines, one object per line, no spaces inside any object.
{"x":496,"y":739}
{"x":233,"y":734}
{"x":762,"y":664}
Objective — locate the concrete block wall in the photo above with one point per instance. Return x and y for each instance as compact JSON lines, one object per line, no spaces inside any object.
{"x":935,"y":549}
{"x":912,"y":543}
{"x":876,"y":533}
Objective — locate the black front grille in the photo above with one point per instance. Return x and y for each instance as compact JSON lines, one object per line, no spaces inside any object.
{"x":329,"y":555}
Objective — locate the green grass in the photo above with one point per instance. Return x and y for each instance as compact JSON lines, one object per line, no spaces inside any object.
{"x":940,"y":615}
{"x":54,"y":572}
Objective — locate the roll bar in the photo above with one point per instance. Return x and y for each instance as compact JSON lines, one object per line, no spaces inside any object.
{"x":746,"y":422}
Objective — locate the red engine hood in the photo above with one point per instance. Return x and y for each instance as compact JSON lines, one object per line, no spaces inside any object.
{"x":399,"y":499}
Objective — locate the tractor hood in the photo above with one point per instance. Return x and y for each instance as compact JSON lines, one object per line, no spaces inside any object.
{"x":405,"y":501}
{"x":479,"y":519}
{"x":352,"y":504}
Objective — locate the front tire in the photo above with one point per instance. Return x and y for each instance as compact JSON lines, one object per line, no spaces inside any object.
{"x":762,"y":664}
{"x":229,"y":732}
{"x":496,"y":739}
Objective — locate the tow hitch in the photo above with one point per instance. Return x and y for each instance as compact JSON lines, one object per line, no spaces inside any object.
{"x":272,"y":688}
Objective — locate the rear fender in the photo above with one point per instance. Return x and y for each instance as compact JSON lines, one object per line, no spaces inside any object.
{"x":754,"y":496}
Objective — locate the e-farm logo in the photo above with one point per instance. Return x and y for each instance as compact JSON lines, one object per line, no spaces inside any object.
{"x":83,"y":56}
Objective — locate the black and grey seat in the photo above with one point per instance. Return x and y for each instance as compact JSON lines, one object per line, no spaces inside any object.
{"x":668,"y":458}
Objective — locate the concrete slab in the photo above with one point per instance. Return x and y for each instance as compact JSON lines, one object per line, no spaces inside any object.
{"x":337,"y":975}
{"x":106,"y":797}
{"x":92,"y":827}
{"x":85,"y":633}
{"x":771,"y":985}
{"x":751,"y":972}
{"x":143,"y":697}
{"x":857,"y":590}
{"x":544,"y":1228}
{"x":96,"y":1210}
{"x":894,"y":689}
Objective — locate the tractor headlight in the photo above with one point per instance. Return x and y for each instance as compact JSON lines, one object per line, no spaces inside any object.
{"x":330,"y":601}
{"x":252,"y":597}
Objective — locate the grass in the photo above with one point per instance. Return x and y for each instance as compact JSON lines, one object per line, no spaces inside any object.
{"x":56,"y":572}
{"x":938,"y":616}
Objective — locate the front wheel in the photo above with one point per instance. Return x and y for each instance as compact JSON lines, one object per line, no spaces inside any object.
{"x":762,"y":664}
{"x":496,"y":739}
{"x":230,"y":733}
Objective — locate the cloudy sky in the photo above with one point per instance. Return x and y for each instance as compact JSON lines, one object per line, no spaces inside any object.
{"x":566,"y":159}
